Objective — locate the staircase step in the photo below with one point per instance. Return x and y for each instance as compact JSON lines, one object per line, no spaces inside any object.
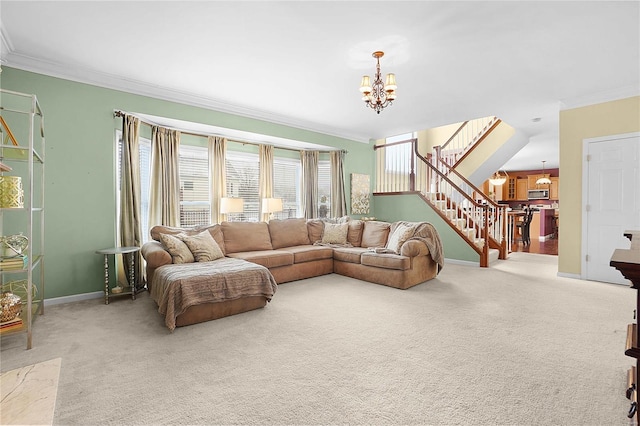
{"x":441,"y":204}
{"x":459,"y":223}
{"x":451,"y":213}
{"x":470,"y":233}
{"x":479,"y":242}
{"x":494,"y":254}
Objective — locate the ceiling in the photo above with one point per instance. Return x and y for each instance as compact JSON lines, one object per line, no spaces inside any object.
{"x":300,"y":63}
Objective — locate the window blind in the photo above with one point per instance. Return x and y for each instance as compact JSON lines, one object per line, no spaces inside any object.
{"x":195,"y":208}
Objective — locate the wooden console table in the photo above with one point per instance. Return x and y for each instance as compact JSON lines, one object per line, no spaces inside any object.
{"x":627,"y":261}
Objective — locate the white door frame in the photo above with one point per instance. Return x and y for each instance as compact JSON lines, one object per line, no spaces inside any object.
{"x":585,"y":192}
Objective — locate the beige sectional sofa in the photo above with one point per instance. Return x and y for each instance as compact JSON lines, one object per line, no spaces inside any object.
{"x":399,"y":254}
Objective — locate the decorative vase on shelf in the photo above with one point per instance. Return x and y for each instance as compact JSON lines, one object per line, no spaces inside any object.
{"x":11,"y":192}
{"x":13,"y":245}
{"x":10,"y":306}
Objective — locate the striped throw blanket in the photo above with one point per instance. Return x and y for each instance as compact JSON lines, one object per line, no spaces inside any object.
{"x":177,"y":287}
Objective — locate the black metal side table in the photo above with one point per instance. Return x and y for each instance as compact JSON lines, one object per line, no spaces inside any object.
{"x":126,"y":290}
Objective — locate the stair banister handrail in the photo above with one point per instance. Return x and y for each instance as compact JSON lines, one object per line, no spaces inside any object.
{"x":478,"y":190}
{"x":444,"y":177}
{"x":462,"y":126}
{"x":485,"y":204}
{"x":465,"y":180}
{"x":412,"y":172}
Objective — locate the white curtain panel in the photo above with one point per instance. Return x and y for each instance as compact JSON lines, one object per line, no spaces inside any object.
{"x":218,"y":175}
{"x":164,"y":191}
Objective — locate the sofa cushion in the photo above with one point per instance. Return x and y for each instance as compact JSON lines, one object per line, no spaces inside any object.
{"x":401,"y":232}
{"x":308,"y":253}
{"x":177,"y":248}
{"x":315,"y":227}
{"x":387,"y":261}
{"x":375,"y":234}
{"x":203,"y":246}
{"x":246,"y":236}
{"x":266,"y":258}
{"x":214,"y":230}
{"x":354,"y":236}
{"x":348,"y":254}
{"x":288,"y":232}
{"x":335,"y":233}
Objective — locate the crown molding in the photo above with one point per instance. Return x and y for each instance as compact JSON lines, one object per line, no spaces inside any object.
{"x":600,"y":97}
{"x":6,"y":45}
{"x":81,"y":74}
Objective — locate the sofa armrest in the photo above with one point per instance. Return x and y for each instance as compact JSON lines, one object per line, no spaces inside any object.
{"x":414,"y":248}
{"x":155,"y":254}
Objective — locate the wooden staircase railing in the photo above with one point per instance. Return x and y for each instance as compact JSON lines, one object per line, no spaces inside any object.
{"x":478,"y":220}
{"x":466,"y":138}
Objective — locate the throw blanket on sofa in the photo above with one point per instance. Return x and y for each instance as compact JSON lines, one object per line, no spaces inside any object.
{"x":176,"y":287}
{"x":428,"y":234}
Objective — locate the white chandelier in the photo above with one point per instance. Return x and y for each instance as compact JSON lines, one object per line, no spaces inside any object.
{"x":378,"y":96}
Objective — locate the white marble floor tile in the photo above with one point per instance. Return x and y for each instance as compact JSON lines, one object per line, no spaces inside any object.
{"x":29,"y":394}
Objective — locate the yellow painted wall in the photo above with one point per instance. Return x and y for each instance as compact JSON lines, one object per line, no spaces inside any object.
{"x":609,"y":118}
{"x":429,"y":138}
{"x":494,"y":140}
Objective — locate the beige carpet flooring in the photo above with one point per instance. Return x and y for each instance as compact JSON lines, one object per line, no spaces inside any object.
{"x":508,"y":345}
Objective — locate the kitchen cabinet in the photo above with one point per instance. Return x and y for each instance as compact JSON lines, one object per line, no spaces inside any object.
{"x":533,"y":178}
{"x":553,"y":188}
{"x":509,"y":189}
{"x":522,"y":188}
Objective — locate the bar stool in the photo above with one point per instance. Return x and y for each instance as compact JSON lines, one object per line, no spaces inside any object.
{"x":524,"y":226}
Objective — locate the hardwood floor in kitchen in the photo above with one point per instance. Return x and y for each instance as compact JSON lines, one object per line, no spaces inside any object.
{"x":541,"y":247}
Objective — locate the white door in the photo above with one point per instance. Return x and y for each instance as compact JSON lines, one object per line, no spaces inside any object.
{"x":613,"y":202}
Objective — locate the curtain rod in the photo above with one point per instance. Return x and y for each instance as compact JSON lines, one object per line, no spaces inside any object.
{"x":118,"y":113}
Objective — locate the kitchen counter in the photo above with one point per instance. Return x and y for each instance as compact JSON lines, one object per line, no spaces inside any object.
{"x":541,"y":227}
{"x":542,"y":224}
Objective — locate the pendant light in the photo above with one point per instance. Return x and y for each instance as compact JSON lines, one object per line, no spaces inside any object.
{"x":543,"y":180}
{"x":497,"y":179}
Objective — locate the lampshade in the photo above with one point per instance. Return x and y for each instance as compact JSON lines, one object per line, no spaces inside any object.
{"x":497,"y":179}
{"x":231,"y":205}
{"x":11,"y":192}
{"x":390,"y":84}
{"x":365,"y":84}
{"x":543,"y":180}
{"x":271,"y":205}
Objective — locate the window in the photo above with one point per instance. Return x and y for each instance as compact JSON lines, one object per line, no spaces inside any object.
{"x":242,"y":182}
{"x":398,"y":157}
{"x":286,"y":185}
{"x":324,"y":188}
{"x":195,"y":208}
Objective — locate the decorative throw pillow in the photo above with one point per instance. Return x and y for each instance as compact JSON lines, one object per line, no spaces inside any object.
{"x":178,"y":250}
{"x":398,"y":237}
{"x":335,"y":233}
{"x":203,"y":246}
{"x":375,"y":234}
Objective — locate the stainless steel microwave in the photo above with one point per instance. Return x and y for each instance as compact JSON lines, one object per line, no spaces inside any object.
{"x":538,"y":194}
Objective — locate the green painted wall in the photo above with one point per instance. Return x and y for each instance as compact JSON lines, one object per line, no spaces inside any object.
{"x":80,"y":167}
{"x":412,"y":208}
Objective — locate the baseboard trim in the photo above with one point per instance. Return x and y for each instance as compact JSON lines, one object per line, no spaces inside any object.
{"x":566,"y":275}
{"x":461,"y":262}
{"x":73,"y":298}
